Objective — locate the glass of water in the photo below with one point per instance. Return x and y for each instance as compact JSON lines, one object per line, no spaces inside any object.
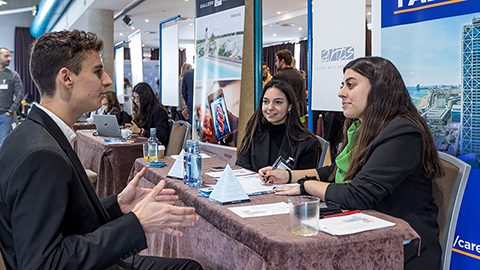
{"x":304,"y":215}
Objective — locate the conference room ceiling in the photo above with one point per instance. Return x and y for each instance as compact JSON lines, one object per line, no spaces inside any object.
{"x":289,"y":25}
{"x":292,"y":12}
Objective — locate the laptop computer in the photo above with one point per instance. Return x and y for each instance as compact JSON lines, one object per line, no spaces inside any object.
{"x":107,"y":125}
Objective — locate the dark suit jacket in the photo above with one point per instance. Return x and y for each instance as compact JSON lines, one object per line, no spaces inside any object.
{"x":304,"y":152}
{"x":296,"y":81}
{"x":392,"y":182}
{"x":158,"y":119}
{"x":50,"y":216}
{"x":187,"y":88}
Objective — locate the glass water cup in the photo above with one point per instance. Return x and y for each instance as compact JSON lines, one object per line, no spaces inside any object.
{"x":145,"y":151}
{"x":304,"y":215}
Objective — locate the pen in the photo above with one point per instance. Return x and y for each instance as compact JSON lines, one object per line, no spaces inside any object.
{"x":275,"y":165}
{"x":343,"y":214}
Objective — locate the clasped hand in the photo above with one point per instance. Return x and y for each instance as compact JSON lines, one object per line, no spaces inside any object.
{"x":133,"y":127}
{"x":155,"y":208}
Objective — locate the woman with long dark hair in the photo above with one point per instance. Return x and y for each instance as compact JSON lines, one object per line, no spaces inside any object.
{"x":275,"y":130}
{"x":112,"y":105}
{"x":148,"y":113}
{"x":387,"y":161}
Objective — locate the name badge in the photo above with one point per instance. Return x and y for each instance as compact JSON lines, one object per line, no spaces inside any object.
{"x":3,"y":86}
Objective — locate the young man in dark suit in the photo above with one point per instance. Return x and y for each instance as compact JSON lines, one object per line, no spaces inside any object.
{"x":50,"y":216}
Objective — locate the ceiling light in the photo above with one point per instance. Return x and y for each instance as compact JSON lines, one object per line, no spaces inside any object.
{"x":3,"y":2}
{"x":121,"y":34}
{"x":147,"y":20}
{"x":369,"y":13}
{"x":274,"y":35}
{"x":143,"y":45}
{"x":190,"y":24}
{"x":279,"y":12}
{"x":300,"y":29}
{"x":127,"y":20}
{"x":133,"y":27}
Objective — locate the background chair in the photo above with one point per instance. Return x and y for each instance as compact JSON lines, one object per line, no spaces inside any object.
{"x":178,"y":137}
{"x":323,"y":152}
{"x":448,"y":194}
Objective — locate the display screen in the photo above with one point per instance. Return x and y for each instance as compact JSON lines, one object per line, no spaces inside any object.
{"x":220,"y":116}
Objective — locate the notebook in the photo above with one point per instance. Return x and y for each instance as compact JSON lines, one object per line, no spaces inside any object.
{"x":107,"y":125}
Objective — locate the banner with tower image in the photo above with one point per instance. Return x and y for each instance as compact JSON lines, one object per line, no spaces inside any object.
{"x":436,"y":47}
{"x":218,"y":69}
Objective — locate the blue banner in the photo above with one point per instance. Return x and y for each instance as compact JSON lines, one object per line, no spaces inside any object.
{"x":398,"y":12}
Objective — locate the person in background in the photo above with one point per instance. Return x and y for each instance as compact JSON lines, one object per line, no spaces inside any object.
{"x":182,"y":105}
{"x":127,"y":94}
{"x":11,"y":94}
{"x":275,"y":130}
{"x":187,"y":91}
{"x":112,"y":104}
{"x":148,"y":113}
{"x":50,"y":216}
{"x":287,"y":72}
{"x":265,"y":74}
{"x":388,"y":158}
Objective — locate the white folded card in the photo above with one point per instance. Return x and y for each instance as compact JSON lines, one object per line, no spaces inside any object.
{"x":351,"y":224}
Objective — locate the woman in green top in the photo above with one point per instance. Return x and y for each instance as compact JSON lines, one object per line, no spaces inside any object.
{"x":388,"y":159}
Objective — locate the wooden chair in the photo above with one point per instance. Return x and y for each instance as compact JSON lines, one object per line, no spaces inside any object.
{"x":324,"y":143}
{"x":448,"y":194}
{"x":178,"y":137}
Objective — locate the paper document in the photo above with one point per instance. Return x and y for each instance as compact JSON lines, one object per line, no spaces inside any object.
{"x":261,"y":210}
{"x":238,"y":172}
{"x":253,"y":185}
{"x":201,"y":154}
{"x":351,"y":224}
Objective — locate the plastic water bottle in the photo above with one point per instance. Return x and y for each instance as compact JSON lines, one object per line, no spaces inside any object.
{"x":153,"y":145}
{"x":186,"y":165}
{"x":195,"y":178}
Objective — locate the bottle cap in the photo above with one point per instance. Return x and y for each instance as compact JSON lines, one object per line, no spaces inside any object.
{"x":161,"y":147}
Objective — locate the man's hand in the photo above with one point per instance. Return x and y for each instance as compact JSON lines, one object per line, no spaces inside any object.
{"x":158,"y":216}
{"x":133,"y":194}
{"x":9,"y":113}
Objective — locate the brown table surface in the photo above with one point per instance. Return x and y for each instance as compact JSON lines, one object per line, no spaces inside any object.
{"x":112,"y":162}
{"x":83,"y":125}
{"x":223,"y":240}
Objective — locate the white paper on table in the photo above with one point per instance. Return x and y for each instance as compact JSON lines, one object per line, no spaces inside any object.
{"x":238,"y":172}
{"x":351,"y":224}
{"x":261,"y":210}
{"x":201,"y":154}
{"x":253,"y":185}
{"x":177,"y":169}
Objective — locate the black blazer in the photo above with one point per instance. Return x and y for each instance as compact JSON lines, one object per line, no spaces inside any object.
{"x":392,"y":182}
{"x":304,"y":152}
{"x":50,"y":216}
{"x":158,"y":118}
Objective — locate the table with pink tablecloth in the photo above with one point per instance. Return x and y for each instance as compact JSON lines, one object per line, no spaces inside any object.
{"x":223,"y":240}
{"x":112,"y":162}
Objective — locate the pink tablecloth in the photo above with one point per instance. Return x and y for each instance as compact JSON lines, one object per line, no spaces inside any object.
{"x":223,"y":240}
{"x":112,"y":162}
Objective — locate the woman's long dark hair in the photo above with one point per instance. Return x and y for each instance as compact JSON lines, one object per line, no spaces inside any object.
{"x":147,"y":101}
{"x":112,"y":101}
{"x":258,"y":123}
{"x":387,"y":101}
